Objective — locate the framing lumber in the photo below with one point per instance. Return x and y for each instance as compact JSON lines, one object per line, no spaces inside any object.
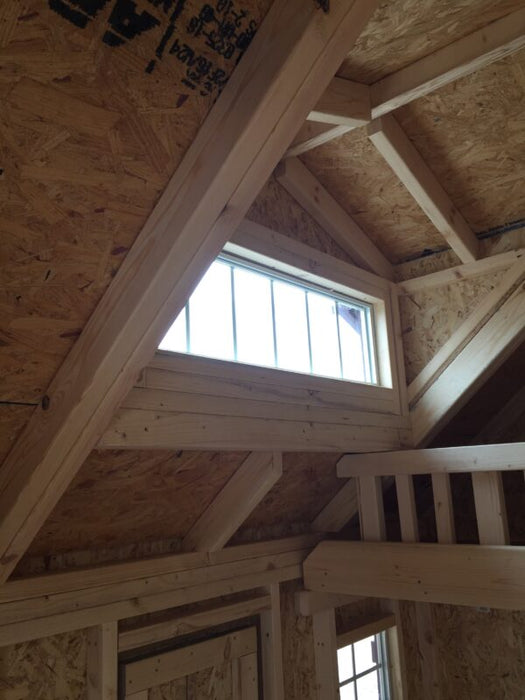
{"x":371,"y":508}
{"x":40,"y":606}
{"x":177,"y":624}
{"x":344,"y":102}
{"x":291,"y":60}
{"x":480,"y":357}
{"x":443,"y":508}
{"x":433,"y":573}
{"x":272,"y":648}
{"x":102,"y":651}
{"x":339,"y":510}
{"x":259,"y":472}
{"x":488,"y":307}
{"x":491,"y":512}
{"x":438,"y":460}
{"x":463,"y":57}
{"x":309,"y":602}
{"x":406,"y":162}
{"x":329,"y":133}
{"x":458,"y":273}
{"x":325,"y":650}
{"x":365,"y":626}
{"x":319,"y":203}
{"x":457,"y":60}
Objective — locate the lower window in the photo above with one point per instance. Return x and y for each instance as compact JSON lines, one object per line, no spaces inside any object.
{"x":363,"y":669}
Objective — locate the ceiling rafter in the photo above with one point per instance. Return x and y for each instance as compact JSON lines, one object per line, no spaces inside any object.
{"x":289,"y":63}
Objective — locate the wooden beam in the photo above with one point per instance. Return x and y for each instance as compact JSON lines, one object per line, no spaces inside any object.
{"x":310,"y":602}
{"x":339,"y":510}
{"x":44,"y":605}
{"x":272,"y":648}
{"x":243,"y":492}
{"x":491,"y":512}
{"x":371,"y":508}
{"x":319,"y":203}
{"x":365,"y":626}
{"x":443,"y":508}
{"x":324,"y":134}
{"x":245,"y":678}
{"x":344,"y":102}
{"x":101,"y":672}
{"x":463,"y":57}
{"x":471,"y":367}
{"x":459,"y":273}
{"x":487,"y":307}
{"x":325,"y":649}
{"x":406,"y":162}
{"x":187,"y":623}
{"x":439,"y":460}
{"x":284,"y":71}
{"x":433,"y":573}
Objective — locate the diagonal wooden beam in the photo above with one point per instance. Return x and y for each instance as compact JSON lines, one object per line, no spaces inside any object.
{"x":406,"y":162}
{"x":433,"y":573}
{"x":344,"y":102}
{"x":227,"y":512}
{"x":289,"y":63}
{"x":312,"y":196}
{"x":501,"y":38}
{"x":439,"y":460}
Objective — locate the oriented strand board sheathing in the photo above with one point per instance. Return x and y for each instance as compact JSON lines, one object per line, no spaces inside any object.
{"x":359,"y":179}
{"x":52,"y":668}
{"x":429,"y":318}
{"x":480,"y":653}
{"x":471,"y":134}
{"x":175,"y":690}
{"x":403,"y":31}
{"x":278,"y":210}
{"x":12,"y":420}
{"x":99,"y":104}
{"x":120,"y":498}
{"x":210,"y":684}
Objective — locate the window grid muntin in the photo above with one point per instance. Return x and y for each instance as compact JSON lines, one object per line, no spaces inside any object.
{"x":368,"y":341}
{"x":381,"y":667}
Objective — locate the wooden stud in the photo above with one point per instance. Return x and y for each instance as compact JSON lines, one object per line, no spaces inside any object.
{"x":284,"y":71}
{"x":491,"y":512}
{"x":325,"y":647}
{"x":433,"y":573}
{"x":310,"y":602}
{"x":407,"y":508}
{"x":272,"y":648}
{"x":406,"y":162}
{"x":319,"y":203}
{"x":101,"y":674}
{"x":327,"y":134}
{"x":244,"y":491}
{"x":371,"y":509}
{"x":245,"y":679}
{"x":363,"y":627}
{"x":443,"y":508}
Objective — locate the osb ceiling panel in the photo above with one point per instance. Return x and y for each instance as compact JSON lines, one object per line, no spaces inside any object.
{"x":100,"y":100}
{"x":124,"y":497}
{"x":403,"y":31}
{"x":358,"y":177}
{"x":472,"y":135}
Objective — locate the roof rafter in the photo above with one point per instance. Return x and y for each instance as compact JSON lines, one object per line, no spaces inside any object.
{"x":289,"y":63}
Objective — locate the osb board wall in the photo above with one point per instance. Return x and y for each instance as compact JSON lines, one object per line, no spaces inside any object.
{"x":480,"y":653}
{"x":97,"y":112}
{"x":470,"y":133}
{"x":53,"y":668}
{"x":401,"y":32}
{"x":357,"y":176}
{"x":213,"y":683}
{"x":429,"y":318}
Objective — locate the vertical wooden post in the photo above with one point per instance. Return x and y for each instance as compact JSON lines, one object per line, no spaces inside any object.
{"x":325,"y":642}
{"x":102,"y":662}
{"x":245,"y":684}
{"x":272,"y":648}
{"x":446,"y":529}
{"x":491,"y":512}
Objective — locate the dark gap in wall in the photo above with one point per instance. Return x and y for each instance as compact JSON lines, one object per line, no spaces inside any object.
{"x":464,"y":509}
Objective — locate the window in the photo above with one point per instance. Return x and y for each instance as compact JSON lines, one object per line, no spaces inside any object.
{"x":245,"y":312}
{"x":363,"y":669}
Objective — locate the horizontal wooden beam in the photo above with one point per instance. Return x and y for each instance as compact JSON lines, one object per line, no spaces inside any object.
{"x":439,"y":460}
{"x":234,"y":503}
{"x":463,"y":57}
{"x":459,"y":273}
{"x":473,"y":575}
{"x":480,"y":357}
{"x":284,"y":71}
{"x":344,"y":102}
{"x":319,"y":203}
{"x":311,"y":602}
{"x":365,"y":626}
{"x":53,"y":603}
{"x":406,"y":162}
{"x":179,"y":624}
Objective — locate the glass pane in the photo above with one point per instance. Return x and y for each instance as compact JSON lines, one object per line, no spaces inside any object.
{"x":352,"y":326}
{"x":365,"y":656}
{"x":211,"y":327}
{"x":253,"y":315}
{"x":291,"y":327}
{"x":368,"y":687}
{"x":175,"y":338}
{"x":347,"y":692}
{"x":345,"y":663}
{"x":323,"y":335}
